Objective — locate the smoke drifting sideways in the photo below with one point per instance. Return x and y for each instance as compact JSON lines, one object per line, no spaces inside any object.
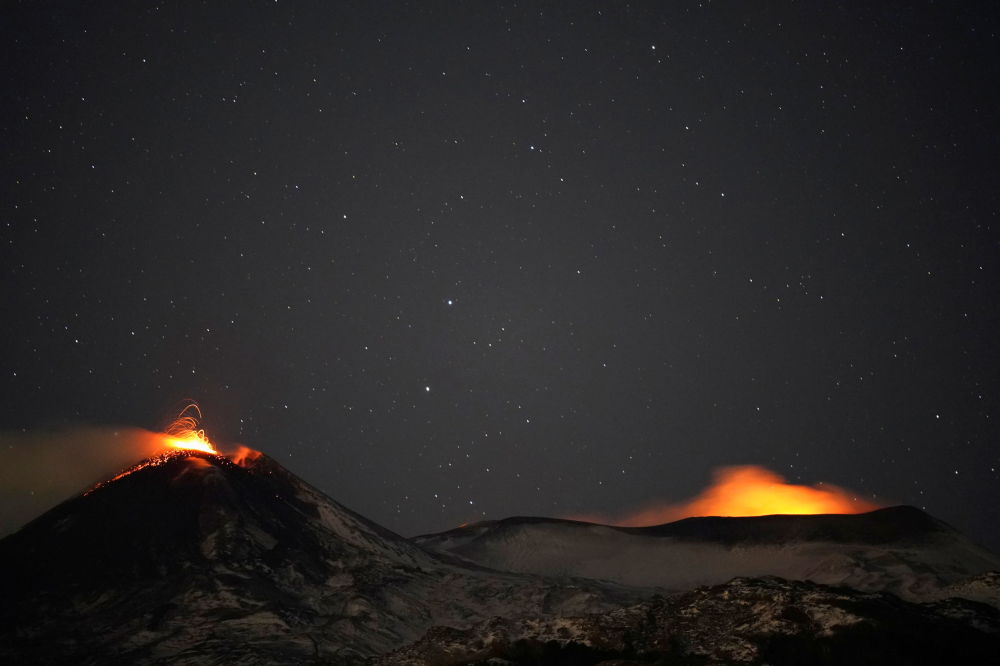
{"x":39,"y":469}
{"x":746,"y":490}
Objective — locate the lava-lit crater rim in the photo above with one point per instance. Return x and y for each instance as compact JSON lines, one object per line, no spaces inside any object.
{"x":168,"y":456}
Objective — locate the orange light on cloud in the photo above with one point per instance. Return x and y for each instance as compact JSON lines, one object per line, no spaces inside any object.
{"x":751,"y":490}
{"x":244,"y":456}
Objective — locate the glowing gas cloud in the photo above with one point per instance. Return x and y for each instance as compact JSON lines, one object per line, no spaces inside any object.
{"x":750,"y":490}
{"x":244,"y":456}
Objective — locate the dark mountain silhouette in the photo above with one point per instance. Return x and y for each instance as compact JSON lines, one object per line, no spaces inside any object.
{"x":190,"y":558}
{"x":899,"y":549}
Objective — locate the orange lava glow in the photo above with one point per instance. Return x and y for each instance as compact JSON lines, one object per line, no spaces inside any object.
{"x":143,"y":464}
{"x":184,"y":433}
{"x":244,"y":456}
{"x":750,"y":490}
{"x":181,"y":437}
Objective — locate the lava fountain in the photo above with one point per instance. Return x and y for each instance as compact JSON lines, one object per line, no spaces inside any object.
{"x":184,"y":433}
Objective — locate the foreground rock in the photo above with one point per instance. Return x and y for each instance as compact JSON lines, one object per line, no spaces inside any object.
{"x":746,"y":621}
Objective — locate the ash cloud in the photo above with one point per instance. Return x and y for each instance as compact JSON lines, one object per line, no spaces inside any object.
{"x":41,"y":468}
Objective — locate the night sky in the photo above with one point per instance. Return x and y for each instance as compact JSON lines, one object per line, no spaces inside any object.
{"x":466,"y":260}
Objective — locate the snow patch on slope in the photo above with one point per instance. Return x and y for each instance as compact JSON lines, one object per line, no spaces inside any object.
{"x":914,"y":569}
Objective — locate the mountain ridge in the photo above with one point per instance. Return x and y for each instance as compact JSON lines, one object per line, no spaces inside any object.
{"x":899,"y":549}
{"x":191,"y":558}
{"x":885,"y":524}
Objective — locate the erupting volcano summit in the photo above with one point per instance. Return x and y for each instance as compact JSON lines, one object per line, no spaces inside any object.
{"x":194,"y":557}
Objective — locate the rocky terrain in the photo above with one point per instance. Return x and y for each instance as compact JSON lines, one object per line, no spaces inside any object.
{"x":194,"y":557}
{"x":191,"y":558}
{"x":745,"y":621}
{"x":898,"y":549}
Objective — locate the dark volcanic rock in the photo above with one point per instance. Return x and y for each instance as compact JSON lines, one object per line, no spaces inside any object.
{"x":746,"y":621}
{"x":895,"y":524}
{"x":898,"y":549}
{"x":194,"y":559}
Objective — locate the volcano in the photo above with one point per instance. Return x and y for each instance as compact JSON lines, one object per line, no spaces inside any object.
{"x":190,"y":557}
{"x":193,"y":558}
{"x":898,"y":549}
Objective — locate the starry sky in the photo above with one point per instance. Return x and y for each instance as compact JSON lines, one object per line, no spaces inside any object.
{"x":461,"y":260}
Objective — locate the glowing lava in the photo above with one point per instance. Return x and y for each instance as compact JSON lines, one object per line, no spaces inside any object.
{"x":755,"y":491}
{"x":181,"y":438}
{"x":185,"y":434}
{"x":749,"y":490}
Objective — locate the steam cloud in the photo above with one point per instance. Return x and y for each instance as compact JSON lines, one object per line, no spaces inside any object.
{"x":748,"y":490}
{"x":39,"y":469}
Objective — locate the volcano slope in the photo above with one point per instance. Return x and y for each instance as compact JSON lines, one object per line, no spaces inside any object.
{"x":898,"y":549}
{"x":191,"y":558}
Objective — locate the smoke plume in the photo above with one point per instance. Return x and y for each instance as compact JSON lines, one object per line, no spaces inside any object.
{"x":39,"y":469}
